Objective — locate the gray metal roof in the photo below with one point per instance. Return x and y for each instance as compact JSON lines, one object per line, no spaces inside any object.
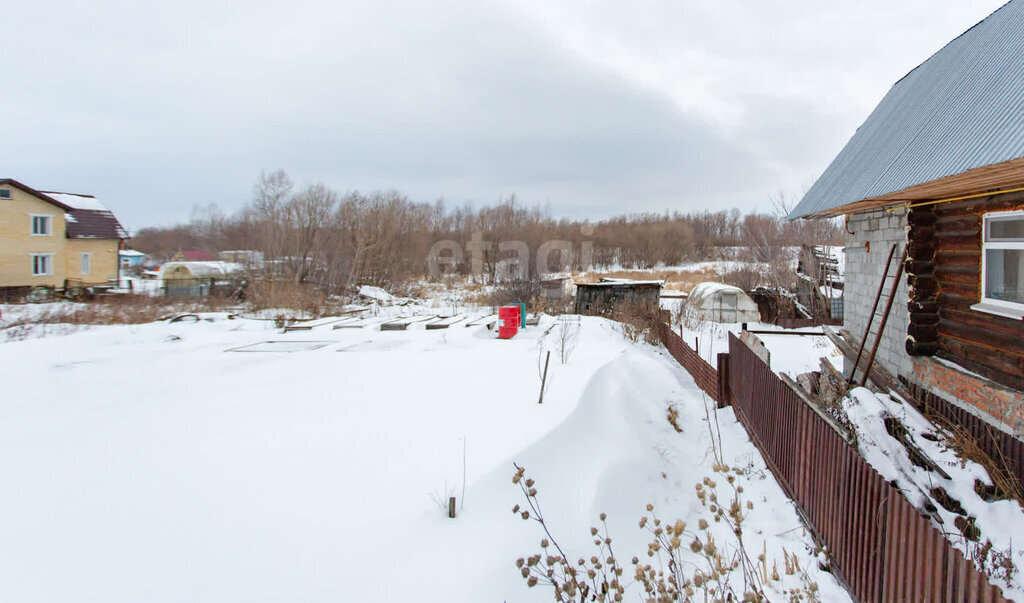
{"x":961,"y":109}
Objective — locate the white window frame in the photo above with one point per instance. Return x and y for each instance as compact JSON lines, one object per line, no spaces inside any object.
{"x":48,"y":220}
{"x":49,"y":263}
{"x":86,"y":259}
{"x":988,"y":305}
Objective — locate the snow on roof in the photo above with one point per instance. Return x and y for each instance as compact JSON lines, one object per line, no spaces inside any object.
{"x":710,"y":288}
{"x":77,"y":201}
{"x":203,"y":268}
{"x":375,"y":293}
{"x":611,"y":282}
{"x":130,"y":252}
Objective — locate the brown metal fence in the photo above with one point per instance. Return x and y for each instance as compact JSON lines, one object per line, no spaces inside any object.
{"x":799,"y":323}
{"x":703,"y":373}
{"x":882,"y":547}
{"x":1000,"y":446}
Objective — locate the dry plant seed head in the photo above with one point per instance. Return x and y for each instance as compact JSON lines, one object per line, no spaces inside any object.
{"x":702,"y":524}
{"x":544,"y":543}
{"x":635,"y":561}
{"x":520,"y":562}
{"x":675,"y":542}
{"x":593,"y":560}
{"x":525,"y":572}
{"x":532,"y":492}
{"x":525,"y":514}
{"x":679,"y":527}
{"x":515,"y":509}
{"x":650,"y":507}
{"x":607,"y":540}
{"x":603,"y":517}
{"x":643,"y":521}
{"x":529,"y":483}
{"x":532,"y":581}
{"x":739,"y":489}
{"x":593,"y":531}
{"x":750,"y":505}
{"x":696,"y":546}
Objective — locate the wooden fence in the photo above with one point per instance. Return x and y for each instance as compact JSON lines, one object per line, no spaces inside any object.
{"x":882,"y":547}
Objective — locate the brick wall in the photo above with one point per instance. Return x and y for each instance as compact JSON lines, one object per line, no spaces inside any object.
{"x":994,"y":403}
{"x":881,"y":229}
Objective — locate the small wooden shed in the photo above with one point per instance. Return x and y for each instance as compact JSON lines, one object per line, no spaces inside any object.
{"x":610,"y":295}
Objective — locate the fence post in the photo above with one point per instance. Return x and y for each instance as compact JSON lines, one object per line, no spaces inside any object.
{"x":724,"y":393}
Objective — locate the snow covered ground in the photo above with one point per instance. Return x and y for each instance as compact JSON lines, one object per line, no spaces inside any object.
{"x":150,"y":463}
{"x":790,"y":354}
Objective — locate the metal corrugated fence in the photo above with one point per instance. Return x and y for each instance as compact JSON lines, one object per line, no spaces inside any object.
{"x":996,"y":444}
{"x":882,"y":547}
{"x":703,"y":373}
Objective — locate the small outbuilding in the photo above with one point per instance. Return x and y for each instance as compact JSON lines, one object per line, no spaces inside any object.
{"x":717,"y":302}
{"x":611,"y":295}
{"x":186,"y":279}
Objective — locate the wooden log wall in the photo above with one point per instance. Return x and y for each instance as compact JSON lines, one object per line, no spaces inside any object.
{"x":944,"y":274}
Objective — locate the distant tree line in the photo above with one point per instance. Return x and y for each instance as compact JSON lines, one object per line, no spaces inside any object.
{"x":313,"y":234}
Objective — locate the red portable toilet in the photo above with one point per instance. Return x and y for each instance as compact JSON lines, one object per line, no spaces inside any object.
{"x":509,"y":317}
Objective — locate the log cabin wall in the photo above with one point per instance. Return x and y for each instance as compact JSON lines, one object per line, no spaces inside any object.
{"x":944,"y":275}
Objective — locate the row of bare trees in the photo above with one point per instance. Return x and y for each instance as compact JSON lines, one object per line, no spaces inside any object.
{"x":316,"y":235}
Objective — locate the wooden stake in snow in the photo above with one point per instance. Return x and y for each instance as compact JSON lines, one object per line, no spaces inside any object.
{"x":451,"y":507}
{"x":544,"y":378}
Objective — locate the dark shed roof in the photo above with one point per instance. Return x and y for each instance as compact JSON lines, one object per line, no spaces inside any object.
{"x":94,"y":224}
{"x":960,"y":110}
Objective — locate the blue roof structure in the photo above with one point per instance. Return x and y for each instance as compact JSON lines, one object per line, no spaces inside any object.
{"x":960,"y":110}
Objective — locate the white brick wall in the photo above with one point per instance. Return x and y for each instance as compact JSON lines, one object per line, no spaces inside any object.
{"x":864,"y":272}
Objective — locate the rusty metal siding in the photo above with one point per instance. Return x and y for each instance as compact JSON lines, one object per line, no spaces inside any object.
{"x":883,"y":548}
{"x":703,"y":373}
{"x":996,"y":444}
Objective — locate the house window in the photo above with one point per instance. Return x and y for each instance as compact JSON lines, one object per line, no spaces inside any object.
{"x":1002,"y":264}
{"x":86,"y":262}
{"x":5,"y":193}
{"x":42,"y":264}
{"x":41,"y":225}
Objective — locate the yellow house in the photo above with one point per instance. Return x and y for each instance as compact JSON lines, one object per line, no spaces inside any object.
{"x":55,"y":240}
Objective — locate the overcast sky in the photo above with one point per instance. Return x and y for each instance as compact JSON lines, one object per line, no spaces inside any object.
{"x":591,"y":109}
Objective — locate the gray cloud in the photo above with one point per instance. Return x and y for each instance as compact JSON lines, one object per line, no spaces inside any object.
{"x":610,"y":109}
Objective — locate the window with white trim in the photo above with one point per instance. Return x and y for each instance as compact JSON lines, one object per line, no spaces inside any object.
{"x":1002,"y":263}
{"x":42,"y":264}
{"x":5,"y":193}
{"x":42,"y":225}
{"x":86,"y":262}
